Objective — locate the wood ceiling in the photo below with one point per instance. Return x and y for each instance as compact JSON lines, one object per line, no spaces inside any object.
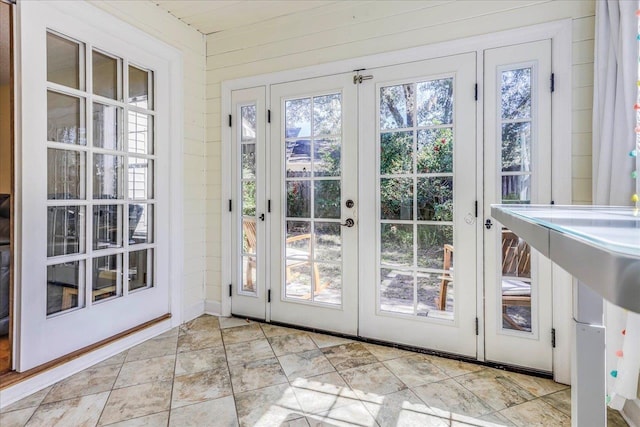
{"x":212,"y":16}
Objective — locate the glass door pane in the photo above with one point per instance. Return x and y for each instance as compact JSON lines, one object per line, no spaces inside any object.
{"x":313,"y":238}
{"x":517,"y":165}
{"x":416,"y":184}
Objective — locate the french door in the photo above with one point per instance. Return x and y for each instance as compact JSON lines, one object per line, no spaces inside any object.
{"x":363,"y":214}
{"x":94,"y":240}
{"x":418,"y":123}
{"x":517,"y":146}
{"x":314,"y":194}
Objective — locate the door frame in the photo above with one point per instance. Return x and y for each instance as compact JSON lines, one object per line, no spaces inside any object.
{"x":91,"y":18}
{"x":560,"y":33}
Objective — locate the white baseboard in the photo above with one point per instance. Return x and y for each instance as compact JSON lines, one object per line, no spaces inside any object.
{"x":631,"y":413}
{"x":193,"y":311}
{"x":212,"y":307}
{"x":24,"y":388}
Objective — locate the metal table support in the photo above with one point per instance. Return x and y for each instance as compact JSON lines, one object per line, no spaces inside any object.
{"x":600,"y":246}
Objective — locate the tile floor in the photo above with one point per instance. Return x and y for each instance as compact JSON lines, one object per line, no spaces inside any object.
{"x":229,"y":372}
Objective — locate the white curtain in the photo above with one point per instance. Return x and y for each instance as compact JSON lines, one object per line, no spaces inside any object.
{"x":614,"y":121}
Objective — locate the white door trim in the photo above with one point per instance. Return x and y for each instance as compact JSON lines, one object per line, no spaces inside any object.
{"x":560,"y":33}
{"x":86,"y":13}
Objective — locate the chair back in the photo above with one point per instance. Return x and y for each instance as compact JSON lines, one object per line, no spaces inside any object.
{"x":516,"y":255}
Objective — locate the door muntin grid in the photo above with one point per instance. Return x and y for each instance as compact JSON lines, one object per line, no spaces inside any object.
{"x":517,"y":111}
{"x":312,"y":140}
{"x":100,"y":176}
{"x":415,"y":204}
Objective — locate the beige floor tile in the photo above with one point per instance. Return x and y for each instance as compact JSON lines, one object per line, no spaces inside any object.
{"x":204,"y":323}
{"x":382,"y":352}
{"x":535,"y":385}
{"x":454,"y":368}
{"x":403,"y":408}
{"x":154,"y":420}
{"x":560,"y":400}
{"x":494,"y":388}
{"x":415,"y":370}
{"x":294,"y":343}
{"x":490,"y":420}
{"x":267,"y":407}
{"x":350,"y":415}
{"x":238,"y":334}
{"x":16,"y":418}
{"x":173,"y":332}
{"x":536,"y":413}
{"x":232,"y":322}
{"x":200,"y":360}
{"x":146,"y":371}
{"x":371,"y":381}
{"x":275,"y":331}
{"x":136,"y":401}
{"x":196,"y":388}
{"x":323,"y":340}
{"x":256,"y":374}
{"x":248,"y":351}
{"x":89,"y":381}
{"x":78,"y":412}
{"x":211,"y":413}
{"x":299,"y":422}
{"x":199,"y":340}
{"x":321,"y":393}
{"x":450,"y":397}
{"x":347,"y":356}
{"x":305,"y":364}
{"x":118,"y":359}
{"x":153,"y":348}
{"x":30,"y":401}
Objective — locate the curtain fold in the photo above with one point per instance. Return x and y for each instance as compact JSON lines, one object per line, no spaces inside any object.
{"x":614,"y":121}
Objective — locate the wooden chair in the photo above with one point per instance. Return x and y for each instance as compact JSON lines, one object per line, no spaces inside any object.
{"x":446,"y":278}
{"x":298,"y":258}
{"x":516,"y":274}
{"x":516,"y":266}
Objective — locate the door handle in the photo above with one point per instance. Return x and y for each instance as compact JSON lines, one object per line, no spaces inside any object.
{"x":488,"y":224}
{"x":261,"y":217}
{"x":349,"y":223}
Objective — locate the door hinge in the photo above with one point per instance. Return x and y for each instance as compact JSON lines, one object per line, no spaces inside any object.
{"x":553,"y":82}
{"x":230,"y":290}
{"x":269,"y":206}
{"x":553,"y":337}
{"x":269,"y":295}
{"x":476,"y":209}
{"x":230,"y":206}
{"x":358,"y":78}
{"x":477,"y":326}
{"x":268,"y":116}
{"x":475,"y":95}
{"x":229,"y":120}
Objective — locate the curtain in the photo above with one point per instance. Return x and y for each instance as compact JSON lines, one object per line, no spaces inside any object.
{"x":614,"y":121}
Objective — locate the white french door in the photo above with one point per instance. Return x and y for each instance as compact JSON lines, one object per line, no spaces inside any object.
{"x":314,"y":199}
{"x":95,"y":221}
{"x":418,"y":142}
{"x":517,"y":147}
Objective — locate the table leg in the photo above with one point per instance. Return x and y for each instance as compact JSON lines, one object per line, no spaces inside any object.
{"x":588,"y":389}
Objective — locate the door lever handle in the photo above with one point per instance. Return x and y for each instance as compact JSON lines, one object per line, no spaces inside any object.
{"x":488,"y":224}
{"x":349,"y":223}
{"x":261,"y":217}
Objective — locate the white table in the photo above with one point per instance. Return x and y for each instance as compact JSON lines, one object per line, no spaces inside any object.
{"x":600,"y":246}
